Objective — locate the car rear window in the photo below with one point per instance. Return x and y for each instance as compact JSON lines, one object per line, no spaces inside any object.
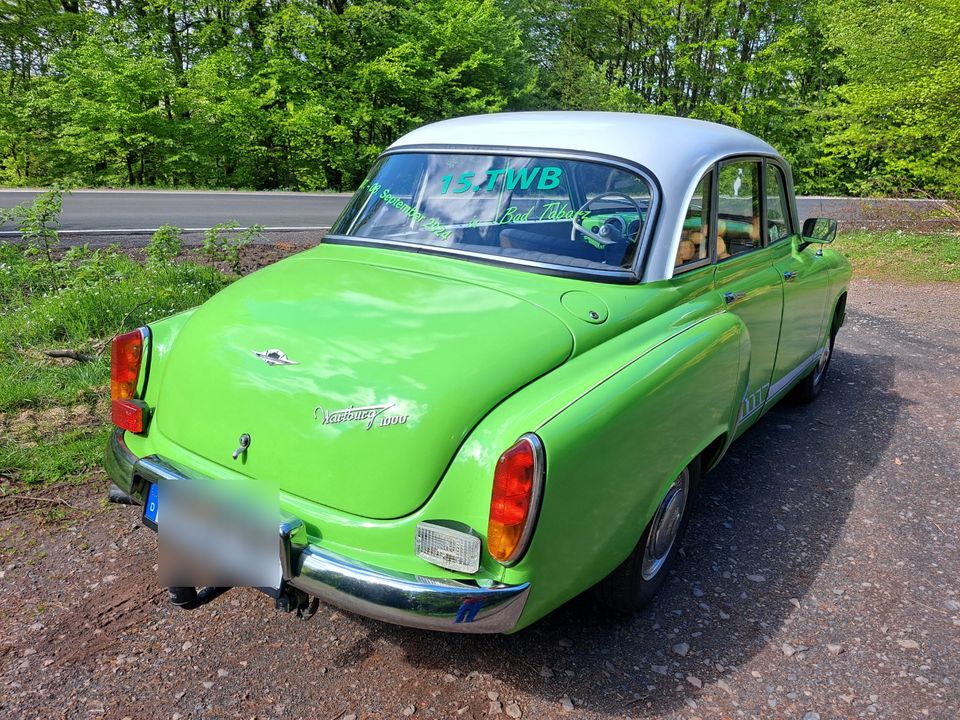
{"x":537,"y":210}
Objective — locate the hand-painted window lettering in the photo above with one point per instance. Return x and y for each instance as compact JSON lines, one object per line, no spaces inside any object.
{"x":546,"y":178}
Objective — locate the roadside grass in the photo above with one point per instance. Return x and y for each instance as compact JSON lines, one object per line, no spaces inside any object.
{"x":68,"y":456}
{"x":76,"y":301}
{"x":103,"y":294}
{"x":897,"y":255}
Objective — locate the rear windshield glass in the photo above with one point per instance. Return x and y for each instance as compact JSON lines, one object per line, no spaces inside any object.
{"x":571,"y":213}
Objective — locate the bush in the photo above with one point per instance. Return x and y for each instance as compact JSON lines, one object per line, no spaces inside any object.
{"x":223,"y":242}
{"x":165,"y":244}
{"x":38,"y":222}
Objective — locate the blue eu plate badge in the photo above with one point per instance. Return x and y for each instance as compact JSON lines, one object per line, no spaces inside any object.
{"x":151,"y":506}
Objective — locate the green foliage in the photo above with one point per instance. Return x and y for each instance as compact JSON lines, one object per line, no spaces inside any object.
{"x":98,"y":294}
{"x":223,"y":242}
{"x":90,"y":296}
{"x":296,"y":94}
{"x":860,"y":95}
{"x":165,"y":244}
{"x":37,"y":222}
{"x":895,"y":125}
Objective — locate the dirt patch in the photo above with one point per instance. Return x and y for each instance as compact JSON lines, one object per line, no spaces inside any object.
{"x":31,"y":425}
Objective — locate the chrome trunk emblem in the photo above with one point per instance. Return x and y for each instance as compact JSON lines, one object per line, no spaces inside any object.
{"x":274,"y":357}
{"x":369,"y":414}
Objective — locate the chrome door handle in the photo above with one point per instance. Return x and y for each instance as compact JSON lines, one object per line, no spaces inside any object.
{"x":790,"y":275}
{"x":732,"y":297}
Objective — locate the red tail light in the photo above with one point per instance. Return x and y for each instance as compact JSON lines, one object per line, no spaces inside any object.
{"x":126,"y":360}
{"x":517,"y":484}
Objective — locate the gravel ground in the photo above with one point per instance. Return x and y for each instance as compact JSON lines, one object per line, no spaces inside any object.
{"x":818,"y":580}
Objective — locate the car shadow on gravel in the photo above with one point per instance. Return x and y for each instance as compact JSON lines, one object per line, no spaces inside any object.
{"x":767,"y":518}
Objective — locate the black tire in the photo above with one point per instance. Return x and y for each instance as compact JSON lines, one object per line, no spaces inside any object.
{"x":806,"y":390}
{"x":627,"y":589}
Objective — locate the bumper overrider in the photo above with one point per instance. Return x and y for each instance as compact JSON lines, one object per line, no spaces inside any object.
{"x":395,"y":597}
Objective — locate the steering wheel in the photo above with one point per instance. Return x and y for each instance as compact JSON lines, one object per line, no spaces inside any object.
{"x":612,"y":229}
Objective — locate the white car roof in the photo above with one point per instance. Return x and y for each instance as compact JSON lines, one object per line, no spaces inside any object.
{"x":666,"y":145}
{"x":677,"y":151}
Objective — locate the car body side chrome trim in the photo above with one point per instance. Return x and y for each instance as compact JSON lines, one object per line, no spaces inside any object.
{"x":787,"y":380}
{"x":779,"y":386}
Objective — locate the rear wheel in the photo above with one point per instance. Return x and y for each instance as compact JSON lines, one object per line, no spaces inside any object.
{"x":636,"y":581}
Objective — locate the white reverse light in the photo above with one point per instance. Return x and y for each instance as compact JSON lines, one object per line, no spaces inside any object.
{"x":447,"y":547}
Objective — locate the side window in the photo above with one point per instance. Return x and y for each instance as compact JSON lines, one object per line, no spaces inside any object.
{"x":694,"y":237}
{"x":778,"y":216}
{"x":738,"y":209}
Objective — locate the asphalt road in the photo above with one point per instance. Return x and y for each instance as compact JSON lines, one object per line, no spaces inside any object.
{"x":120,"y":214}
{"x":818,"y":580}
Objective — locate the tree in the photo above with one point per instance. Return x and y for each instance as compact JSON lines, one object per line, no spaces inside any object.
{"x":895,"y":125}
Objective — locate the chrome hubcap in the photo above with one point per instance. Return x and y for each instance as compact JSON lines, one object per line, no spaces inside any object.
{"x":665,"y":526}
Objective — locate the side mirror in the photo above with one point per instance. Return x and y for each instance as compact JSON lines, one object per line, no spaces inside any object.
{"x":819,"y":230}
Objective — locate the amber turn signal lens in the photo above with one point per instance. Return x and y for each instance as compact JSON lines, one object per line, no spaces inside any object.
{"x":126,"y":357}
{"x":517,"y":482}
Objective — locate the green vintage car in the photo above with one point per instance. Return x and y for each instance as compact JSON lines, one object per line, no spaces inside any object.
{"x":495,"y":384}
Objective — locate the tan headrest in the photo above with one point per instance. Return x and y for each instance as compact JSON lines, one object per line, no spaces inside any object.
{"x":686,"y":251}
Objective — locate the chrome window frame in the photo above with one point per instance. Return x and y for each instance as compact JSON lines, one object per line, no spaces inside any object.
{"x":715,"y":211}
{"x":763,"y":160}
{"x":787,"y":185}
{"x":630,"y":275}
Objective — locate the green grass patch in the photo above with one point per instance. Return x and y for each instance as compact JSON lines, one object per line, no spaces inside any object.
{"x":100,"y":294}
{"x":77,"y":300}
{"x":896,"y":255}
{"x":53,"y":458}
{"x":79,"y":304}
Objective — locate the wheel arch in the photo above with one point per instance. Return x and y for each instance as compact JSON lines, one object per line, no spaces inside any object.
{"x":711,"y":455}
{"x":839,"y":313}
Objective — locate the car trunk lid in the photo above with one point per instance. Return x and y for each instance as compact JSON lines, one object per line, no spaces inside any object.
{"x":378,"y":376}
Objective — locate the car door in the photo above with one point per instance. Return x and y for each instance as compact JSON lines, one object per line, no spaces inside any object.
{"x":806,"y":282}
{"x":745,"y":276}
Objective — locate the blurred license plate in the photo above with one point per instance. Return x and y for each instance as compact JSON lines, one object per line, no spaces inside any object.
{"x":151,"y":506}
{"x":213,"y":536}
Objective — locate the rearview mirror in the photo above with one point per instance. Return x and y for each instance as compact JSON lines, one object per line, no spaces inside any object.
{"x":819,"y":230}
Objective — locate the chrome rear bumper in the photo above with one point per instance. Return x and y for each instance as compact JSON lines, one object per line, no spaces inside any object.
{"x":400,"y":598}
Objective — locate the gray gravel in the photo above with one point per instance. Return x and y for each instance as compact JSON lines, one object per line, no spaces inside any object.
{"x":819,"y":580}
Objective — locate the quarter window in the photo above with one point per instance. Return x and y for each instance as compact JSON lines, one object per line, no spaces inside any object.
{"x":694,"y":237}
{"x":738,"y":209}
{"x":778,"y":216}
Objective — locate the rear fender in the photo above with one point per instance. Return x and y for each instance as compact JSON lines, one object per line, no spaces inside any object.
{"x":613,"y":451}
{"x":162,"y":334}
